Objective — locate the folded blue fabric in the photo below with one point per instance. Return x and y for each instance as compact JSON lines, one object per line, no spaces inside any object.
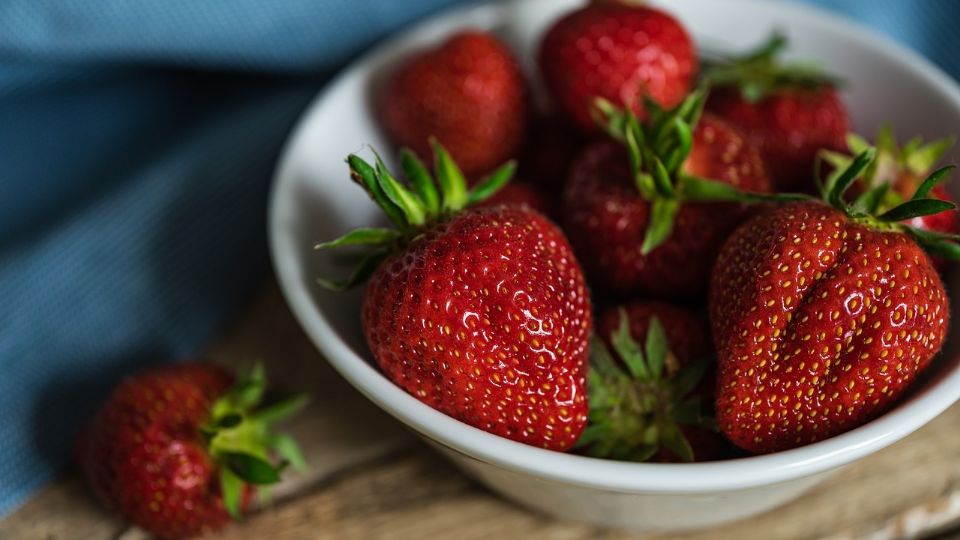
{"x":137,"y":139}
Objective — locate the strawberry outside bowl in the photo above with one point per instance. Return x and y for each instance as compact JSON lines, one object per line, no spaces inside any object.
{"x":313,"y":200}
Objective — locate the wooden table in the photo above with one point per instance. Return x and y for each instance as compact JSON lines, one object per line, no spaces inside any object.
{"x":370,"y":478}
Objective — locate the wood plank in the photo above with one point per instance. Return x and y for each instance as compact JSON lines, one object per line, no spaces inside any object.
{"x":909,"y":490}
{"x":372,"y":479}
{"x":64,"y":510}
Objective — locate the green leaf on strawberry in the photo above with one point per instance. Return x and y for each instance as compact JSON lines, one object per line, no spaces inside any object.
{"x":640,"y":399}
{"x":658,"y":150}
{"x":761,"y":72}
{"x":241,"y":440}
{"x":414,"y":205}
{"x":897,"y":189}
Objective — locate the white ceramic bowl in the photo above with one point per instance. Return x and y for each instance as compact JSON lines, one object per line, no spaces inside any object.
{"x":313,"y":200}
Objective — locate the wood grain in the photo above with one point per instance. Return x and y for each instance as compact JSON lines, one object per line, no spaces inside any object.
{"x":907,"y":491}
{"x":370,"y":478}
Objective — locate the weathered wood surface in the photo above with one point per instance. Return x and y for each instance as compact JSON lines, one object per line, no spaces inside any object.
{"x":372,"y":479}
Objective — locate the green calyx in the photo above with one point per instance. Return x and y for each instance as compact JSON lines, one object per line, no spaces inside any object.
{"x":241,"y":440}
{"x":657,"y":149}
{"x":760,"y":72}
{"x":878,"y":205}
{"x":414,"y":205}
{"x":638,"y":411}
{"x":910,"y":162}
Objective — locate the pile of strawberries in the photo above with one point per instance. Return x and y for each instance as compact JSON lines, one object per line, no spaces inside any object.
{"x":724,"y":270}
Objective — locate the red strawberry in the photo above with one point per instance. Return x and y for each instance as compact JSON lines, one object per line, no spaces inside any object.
{"x":788,"y":111}
{"x":822,"y":316}
{"x":468,"y":93}
{"x":655,"y":408}
{"x":896,"y":175}
{"x":174,"y":449}
{"x":482,"y":314}
{"x":618,"y":51}
{"x":944,"y":222}
{"x":655,"y":238}
{"x":520,"y":194}
{"x":550,"y":149}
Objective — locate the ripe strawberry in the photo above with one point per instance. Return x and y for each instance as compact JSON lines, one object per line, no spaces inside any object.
{"x":897,"y":174}
{"x":483,"y":313}
{"x":655,"y":409}
{"x":789,"y":112}
{"x":552,"y":145}
{"x":520,"y":194}
{"x":617,"y":51}
{"x":823,"y":315}
{"x":468,"y":93}
{"x":632,"y":209}
{"x":174,"y":449}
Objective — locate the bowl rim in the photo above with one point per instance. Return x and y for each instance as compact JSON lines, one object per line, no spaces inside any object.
{"x":609,"y":475}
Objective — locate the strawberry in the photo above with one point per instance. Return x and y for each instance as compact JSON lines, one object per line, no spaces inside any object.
{"x":520,"y":194}
{"x":618,"y":51}
{"x":632,"y":210}
{"x":649,"y":403}
{"x":469,"y":93}
{"x":823,"y":315}
{"x":552,"y":145}
{"x":174,"y":449}
{"x":789,"y":111}
{"x":482,"y":314}
{"x":897,"y":173}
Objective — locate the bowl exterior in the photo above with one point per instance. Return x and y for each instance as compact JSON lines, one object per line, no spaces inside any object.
{"x":643,"y":511}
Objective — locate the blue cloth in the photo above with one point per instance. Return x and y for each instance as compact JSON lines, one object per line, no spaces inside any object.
{"x":137,"y":139}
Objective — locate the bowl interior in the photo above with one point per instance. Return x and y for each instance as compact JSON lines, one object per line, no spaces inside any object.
{"x":313,"y":200}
